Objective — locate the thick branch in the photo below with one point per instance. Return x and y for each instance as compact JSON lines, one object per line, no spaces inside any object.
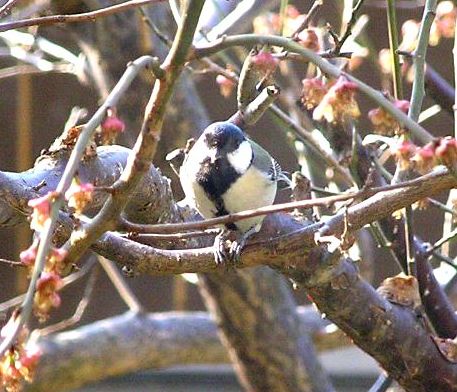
{"x":132,"y":342}
{"x":394,"y":335}
{"x":437,"y":305}
{"x":274,"y":352}
{"x":102,"y":169}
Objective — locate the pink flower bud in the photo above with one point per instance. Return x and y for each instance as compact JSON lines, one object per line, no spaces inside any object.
{"x":425,"y":158}
{"x":226,"y":85}
{"x":403,"y":152}
{"x":28,"y":256}
{"x":446,"y":152}
{"x":339,"y":102}
{"x":79,"y":195}
{"x":309,"y":40}
{"x":265,"y":62}
{"x":49,"y":280}
{"x":41,"y":209}
{"x":113,"y":124}
{"x":111,"y":127}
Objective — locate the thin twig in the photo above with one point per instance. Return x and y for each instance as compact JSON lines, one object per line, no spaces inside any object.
{"x":153,"y":27}
{"x":23,"y":69}
{"x":249,"y":40}
{"x":304,"y":24}
{"x":441,"y":206}
{"x":419,"y":55}
{"x":67,"y":281}
{"x":339,"y":42}
{"x":170,"y":237}
{"x":454,"y":53}
{"x":405,"y":4}
{"x":80,"y":309}
{"x":417,"y":96}
{"x":443,"y":240}
{"x":121,"y":286}
{"x":382,"y":384}
{"x":12,"y":263}
{"x":6,"y":9}
{"x":445,"y":259}
{"x":323,"y":201}
{"x":393,"y":47}
{"x":76,"y":18}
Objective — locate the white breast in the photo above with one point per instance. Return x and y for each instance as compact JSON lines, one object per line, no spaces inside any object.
{"x":252,"y":190}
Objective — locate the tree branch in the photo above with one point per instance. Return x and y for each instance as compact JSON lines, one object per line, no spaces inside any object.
{"x":78,"y":18}
{"x":249,"y":40}
{"x":133,"y":341}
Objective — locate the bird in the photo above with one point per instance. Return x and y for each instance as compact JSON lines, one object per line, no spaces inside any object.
{"x":226,"y":172}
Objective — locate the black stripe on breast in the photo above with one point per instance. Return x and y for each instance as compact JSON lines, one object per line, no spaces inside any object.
{"x":216,"y":178}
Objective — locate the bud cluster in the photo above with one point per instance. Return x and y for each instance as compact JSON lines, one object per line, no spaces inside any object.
{"x":338,"y":103}
{"x":423,"y":159}
{"x":19,"y":362}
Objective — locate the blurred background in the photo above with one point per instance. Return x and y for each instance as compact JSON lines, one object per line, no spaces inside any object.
{"x":34,"y":107}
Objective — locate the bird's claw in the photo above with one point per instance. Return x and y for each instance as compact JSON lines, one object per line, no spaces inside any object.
{"x":224,"y":254}
{"x":220,"y":249}
{"x":235,"y":250}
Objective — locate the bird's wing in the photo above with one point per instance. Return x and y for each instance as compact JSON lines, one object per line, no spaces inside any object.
{"x":265,"y":163}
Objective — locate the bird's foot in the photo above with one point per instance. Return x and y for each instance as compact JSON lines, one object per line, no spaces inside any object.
{"x":226,"y":254}
{"x":236,"y":248}
{"x":220,"y":249}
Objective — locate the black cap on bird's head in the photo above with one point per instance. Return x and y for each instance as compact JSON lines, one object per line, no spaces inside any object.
{"x":224,"y":136}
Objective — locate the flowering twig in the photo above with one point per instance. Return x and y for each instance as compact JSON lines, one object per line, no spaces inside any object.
{"x":80,"y":309}
{"x":303,"y":134}
{"x":77,"y":18}
{"x":64,"y":183}
{"x":249,"y":40}
{"x":68,"y":280}
{"x":417,"y":96}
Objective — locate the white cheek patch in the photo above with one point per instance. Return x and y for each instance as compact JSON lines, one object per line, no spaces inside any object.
{"x":241,"y":158}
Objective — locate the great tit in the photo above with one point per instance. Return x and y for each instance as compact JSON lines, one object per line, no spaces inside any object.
{"x":226,"y":172}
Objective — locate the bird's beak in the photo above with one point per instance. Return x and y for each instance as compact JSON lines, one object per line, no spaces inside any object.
{"x":215,"y":155}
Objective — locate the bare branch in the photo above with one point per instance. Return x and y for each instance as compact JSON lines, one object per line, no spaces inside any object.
{"x":6,"y":8}
{"x":78,"y":18}
{"x":284,"y":207}
{"x":132,"y":341}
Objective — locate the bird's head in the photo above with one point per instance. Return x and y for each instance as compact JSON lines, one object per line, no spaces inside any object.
{"x":223,"y":136}
{"x":226,"y":140}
